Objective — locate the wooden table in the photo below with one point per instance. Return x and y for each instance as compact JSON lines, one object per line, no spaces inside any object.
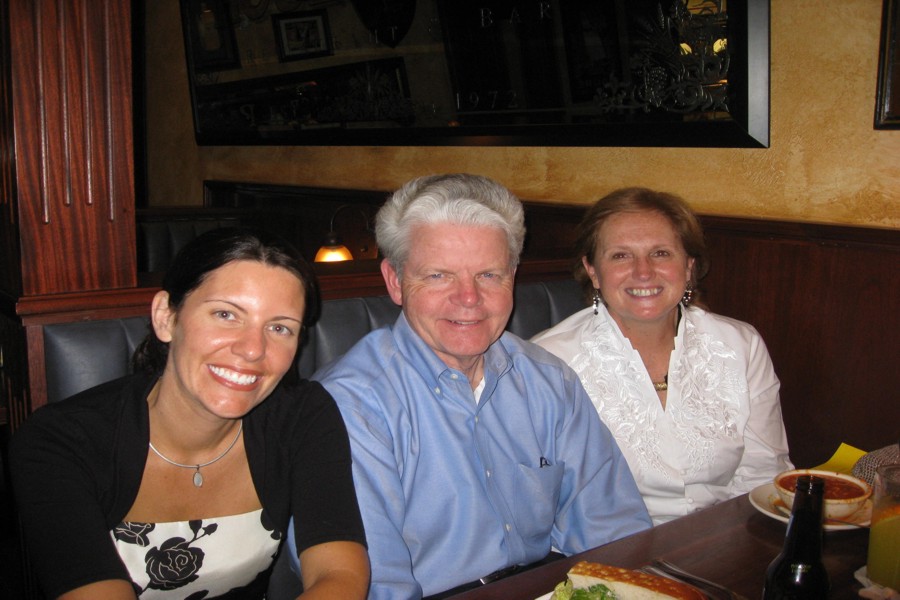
{"x":730,"y":543}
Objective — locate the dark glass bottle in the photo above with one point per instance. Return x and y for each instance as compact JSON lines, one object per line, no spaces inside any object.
{"x":797,"y":573}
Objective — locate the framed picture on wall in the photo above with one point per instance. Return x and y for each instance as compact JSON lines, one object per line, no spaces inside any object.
{"x":300,"y":35}
{"x":208,"y":36}
{"x":887,"y":99}
{"x":581,"y":75}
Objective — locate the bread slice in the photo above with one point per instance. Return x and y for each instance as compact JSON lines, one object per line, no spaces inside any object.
{"x":631,"y":585}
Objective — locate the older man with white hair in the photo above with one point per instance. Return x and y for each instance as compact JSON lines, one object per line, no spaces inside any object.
{"x":475,"y":454}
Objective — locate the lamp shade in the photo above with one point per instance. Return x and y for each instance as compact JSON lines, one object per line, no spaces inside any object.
{"x":333,"y":254}
{"x":333,"y":250}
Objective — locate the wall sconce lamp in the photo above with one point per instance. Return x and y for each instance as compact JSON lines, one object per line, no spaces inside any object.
{"x":334,"y":250}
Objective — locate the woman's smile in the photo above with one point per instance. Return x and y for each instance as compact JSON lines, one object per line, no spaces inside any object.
{"x":233,"y":378}
{"x":643,"y":292}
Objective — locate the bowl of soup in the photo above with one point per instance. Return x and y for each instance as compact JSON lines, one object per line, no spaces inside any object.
{"x":844,"y":494}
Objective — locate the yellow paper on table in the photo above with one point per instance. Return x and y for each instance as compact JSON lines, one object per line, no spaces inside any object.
{"x":843,"y":459}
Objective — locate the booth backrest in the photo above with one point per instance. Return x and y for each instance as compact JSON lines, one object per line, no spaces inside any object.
{"x":160,"y":235}
{"x":83,"y":354}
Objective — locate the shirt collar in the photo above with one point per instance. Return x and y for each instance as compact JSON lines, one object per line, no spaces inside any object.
{"x":602,"y":320}
{"x":497,"y":360}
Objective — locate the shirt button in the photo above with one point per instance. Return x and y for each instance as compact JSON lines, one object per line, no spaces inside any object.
{"x":690,"y":500}
{"x":508,"y":527}
{"x":488,"y":472}
{"x":454,"y":376}
{"x":437,"y":390}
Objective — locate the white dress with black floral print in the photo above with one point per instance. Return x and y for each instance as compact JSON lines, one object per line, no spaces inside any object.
{"x":196,"y":559}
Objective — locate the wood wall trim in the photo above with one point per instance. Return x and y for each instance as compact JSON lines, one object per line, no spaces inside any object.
{"x":85,"y":306}
{"x":37,"y":374}
{"x":821,"y":233}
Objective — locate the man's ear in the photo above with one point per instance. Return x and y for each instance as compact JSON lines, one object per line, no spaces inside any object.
{"x":392,"y":282}
{"x":162,"y":317}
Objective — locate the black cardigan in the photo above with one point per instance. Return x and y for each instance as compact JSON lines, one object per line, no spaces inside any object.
{"x":77,"y":467}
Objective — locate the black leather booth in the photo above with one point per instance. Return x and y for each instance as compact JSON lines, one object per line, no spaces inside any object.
{"x":83,"y":354}
{"x":87,"y":353}
{"x":161,"y":233}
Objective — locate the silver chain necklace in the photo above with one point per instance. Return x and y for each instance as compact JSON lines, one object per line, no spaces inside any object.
{"x":198,"y":478}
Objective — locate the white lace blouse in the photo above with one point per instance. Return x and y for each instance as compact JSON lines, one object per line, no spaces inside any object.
{"x":721,"y":433}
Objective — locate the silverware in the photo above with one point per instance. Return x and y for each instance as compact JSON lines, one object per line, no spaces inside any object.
{"x":712,"y":590}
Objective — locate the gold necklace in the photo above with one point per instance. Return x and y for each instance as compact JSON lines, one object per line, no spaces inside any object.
{"x":198,"y":477}
{"x":661,"y":386}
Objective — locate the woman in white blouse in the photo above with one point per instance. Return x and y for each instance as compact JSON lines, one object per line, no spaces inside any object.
{"x":691,"y":396}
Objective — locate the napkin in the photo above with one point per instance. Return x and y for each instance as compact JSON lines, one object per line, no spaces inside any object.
{"x":872,"y":590}
{"x":865,"y":467}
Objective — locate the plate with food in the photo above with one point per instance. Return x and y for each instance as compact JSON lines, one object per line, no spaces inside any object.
{"x":594,"y":581}
{"x":768,"y":501}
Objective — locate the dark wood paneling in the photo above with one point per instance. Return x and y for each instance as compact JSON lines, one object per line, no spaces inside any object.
{"x":13,"y":385}
{"x":550,"y":230}
{"x":71,"y":86}
{"x":10,"y":275}
{"x":303,"y":214}
{"x":824,"y":298}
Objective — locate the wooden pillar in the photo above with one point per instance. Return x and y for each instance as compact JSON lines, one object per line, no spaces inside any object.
{"x":67,"y":193}
{"x":69,"y":196}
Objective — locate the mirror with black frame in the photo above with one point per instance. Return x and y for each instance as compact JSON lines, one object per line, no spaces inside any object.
{"x":486,"y":72}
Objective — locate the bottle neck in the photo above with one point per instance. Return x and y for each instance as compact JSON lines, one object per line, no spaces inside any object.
{"x":804,"y":532}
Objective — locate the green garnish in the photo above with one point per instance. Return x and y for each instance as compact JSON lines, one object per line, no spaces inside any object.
{"x":566,"y":591}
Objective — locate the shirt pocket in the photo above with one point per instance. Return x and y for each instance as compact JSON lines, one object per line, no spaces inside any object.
{"x":537,"y":495}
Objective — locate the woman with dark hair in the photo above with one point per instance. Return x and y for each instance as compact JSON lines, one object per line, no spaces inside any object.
{"x":179,"y":481}
{"x":690,"y":396}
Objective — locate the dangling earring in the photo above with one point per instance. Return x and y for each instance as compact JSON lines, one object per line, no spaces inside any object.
{"x":688,"y":294}
{"x":596,"y":301}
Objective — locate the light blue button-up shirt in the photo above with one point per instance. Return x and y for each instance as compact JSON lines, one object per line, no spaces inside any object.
{"x":450,"y":489}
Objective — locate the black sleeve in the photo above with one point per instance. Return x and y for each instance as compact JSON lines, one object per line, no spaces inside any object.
{"x":306,"y":430}
{"x":61,"y":462}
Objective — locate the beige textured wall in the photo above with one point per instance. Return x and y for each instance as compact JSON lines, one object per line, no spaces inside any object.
{"x":826,"y":163}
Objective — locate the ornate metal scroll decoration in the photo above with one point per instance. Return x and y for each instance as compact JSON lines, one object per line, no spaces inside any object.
{"x":370,"y":95}
{"x":680,"y":64}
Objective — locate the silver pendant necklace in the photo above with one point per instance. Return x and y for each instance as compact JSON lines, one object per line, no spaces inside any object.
{"x":198,"y":477}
